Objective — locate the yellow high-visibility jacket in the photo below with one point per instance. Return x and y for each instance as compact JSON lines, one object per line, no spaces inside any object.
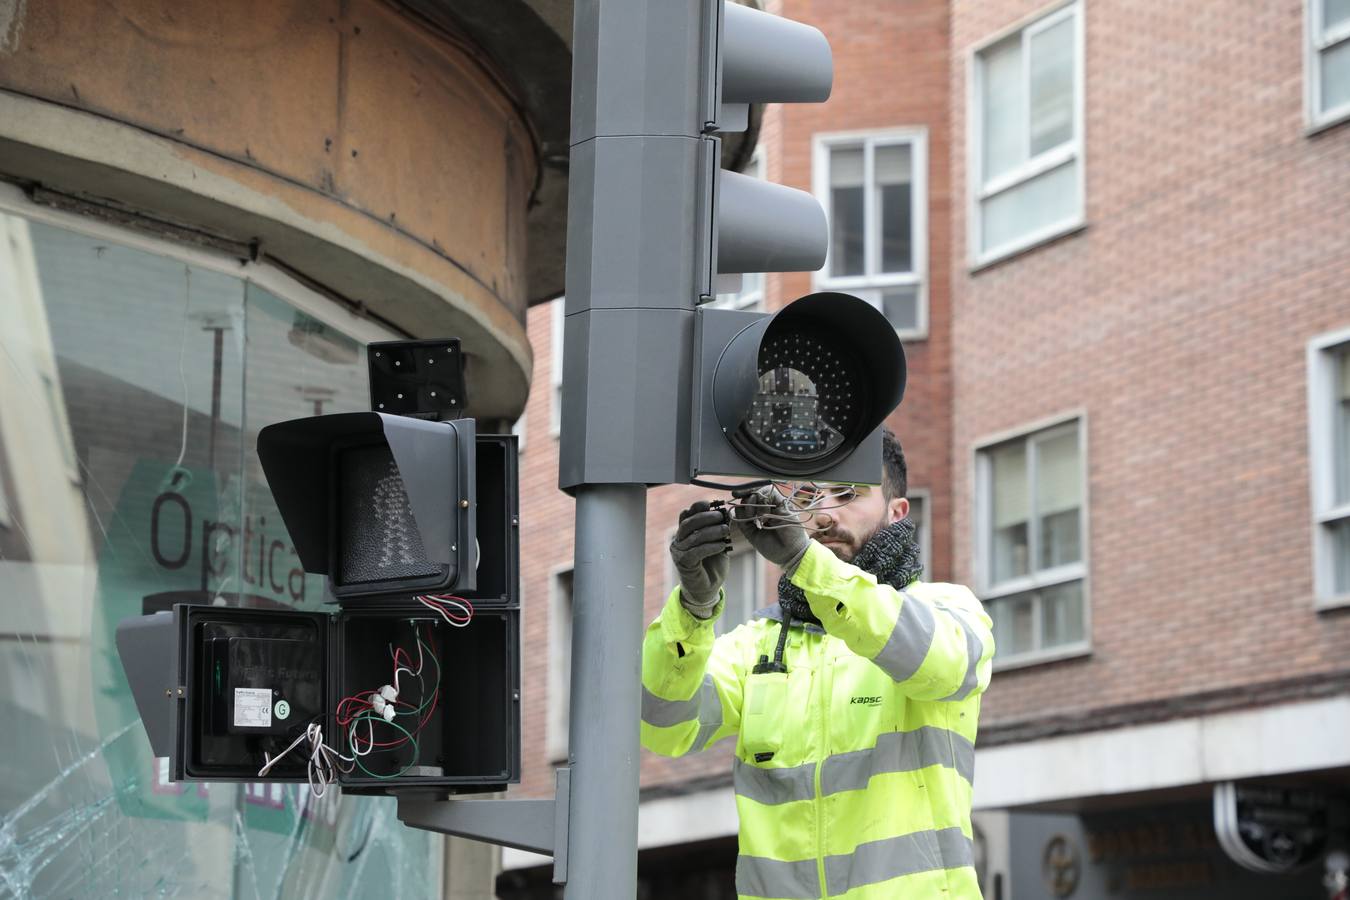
{"x":853,"y":770}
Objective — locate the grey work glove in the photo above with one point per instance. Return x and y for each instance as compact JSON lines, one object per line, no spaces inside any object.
{"x":780,"y":539}
{"x":701,"y":553}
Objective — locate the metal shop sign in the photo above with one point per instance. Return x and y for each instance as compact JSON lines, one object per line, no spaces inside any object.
{"x":1271,"y":829}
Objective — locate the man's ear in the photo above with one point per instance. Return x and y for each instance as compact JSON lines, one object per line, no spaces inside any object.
{"x":896,"y":509}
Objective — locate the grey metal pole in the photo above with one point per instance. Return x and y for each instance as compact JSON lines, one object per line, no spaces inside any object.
{"x":607,"y":620}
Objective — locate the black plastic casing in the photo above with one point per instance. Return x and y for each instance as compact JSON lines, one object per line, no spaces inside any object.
{"x":474,"y":734}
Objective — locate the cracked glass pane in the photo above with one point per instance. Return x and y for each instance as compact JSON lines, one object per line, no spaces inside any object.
{"x":128,"y":483}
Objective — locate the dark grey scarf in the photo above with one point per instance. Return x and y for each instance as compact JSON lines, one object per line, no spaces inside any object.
{"x":892,"y":555}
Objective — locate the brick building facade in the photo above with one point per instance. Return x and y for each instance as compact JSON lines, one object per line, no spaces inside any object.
{"x":1122,"y":293}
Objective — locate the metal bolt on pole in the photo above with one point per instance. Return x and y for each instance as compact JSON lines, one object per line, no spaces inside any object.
{"x":606,"y":697}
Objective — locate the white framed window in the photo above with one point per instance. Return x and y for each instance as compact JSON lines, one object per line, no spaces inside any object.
{"x":874,"y":189}
{"x":920,"y":513}
{"x":1031,"y":542}
{"x":556,"y":311}
{"x":1025,"y":157}
{"x":1329,"y":443}
{"x":751,"y":294}
{"x":559,"y":662}
{"x":1327,"y":62}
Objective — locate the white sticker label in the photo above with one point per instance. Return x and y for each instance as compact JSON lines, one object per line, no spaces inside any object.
{"x":252,"y":708}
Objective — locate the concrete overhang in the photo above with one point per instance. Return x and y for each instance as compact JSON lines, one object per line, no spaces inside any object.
{"x":531,"y":41}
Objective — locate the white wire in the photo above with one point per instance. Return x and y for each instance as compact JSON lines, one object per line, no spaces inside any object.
{"x":436,"y":608}
{"x":324,"y":762}
{"x":781,"y":513}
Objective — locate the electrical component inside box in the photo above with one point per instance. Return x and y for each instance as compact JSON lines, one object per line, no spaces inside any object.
{"x":262,"y":685}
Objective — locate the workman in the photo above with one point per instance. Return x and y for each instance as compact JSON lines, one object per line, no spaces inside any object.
{"x":854,"y":701}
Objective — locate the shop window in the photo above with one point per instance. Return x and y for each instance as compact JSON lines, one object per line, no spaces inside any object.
{"x":135,"y":375}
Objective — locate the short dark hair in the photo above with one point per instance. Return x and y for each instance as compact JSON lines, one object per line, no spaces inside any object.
{"x":894,"y":472}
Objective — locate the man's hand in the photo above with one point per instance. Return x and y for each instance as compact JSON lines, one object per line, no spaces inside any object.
{"x":780,"y":539}
{"x":700,"y":552}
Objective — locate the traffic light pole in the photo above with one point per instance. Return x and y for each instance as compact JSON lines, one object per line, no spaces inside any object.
{"x":607,"y":620}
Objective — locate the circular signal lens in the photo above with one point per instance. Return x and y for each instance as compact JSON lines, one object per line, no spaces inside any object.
{"x":807,"y":403}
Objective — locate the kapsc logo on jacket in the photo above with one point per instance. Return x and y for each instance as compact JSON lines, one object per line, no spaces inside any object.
{"x":864,"y":701}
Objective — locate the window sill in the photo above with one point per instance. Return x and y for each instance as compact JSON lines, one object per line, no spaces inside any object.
{"x":1327,"y":122}
{"x":1041,"y":657}
{"x":1325,"y":603}
{"x":1035,"y":242}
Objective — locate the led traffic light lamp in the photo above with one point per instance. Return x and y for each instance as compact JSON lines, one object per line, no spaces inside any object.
{"x":796,"y":393}
{"x":414,"y":521}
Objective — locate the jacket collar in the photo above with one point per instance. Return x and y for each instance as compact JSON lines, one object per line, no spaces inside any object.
{"x":775,"y":613}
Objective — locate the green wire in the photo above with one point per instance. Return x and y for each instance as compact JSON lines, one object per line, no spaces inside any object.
{"x":412,"y":763}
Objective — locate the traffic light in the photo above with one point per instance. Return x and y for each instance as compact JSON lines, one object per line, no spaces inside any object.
{"x":657,"y":389}
{"x":414,"y":522}
{"x":382,"y":505}
{"x":797,"y":393}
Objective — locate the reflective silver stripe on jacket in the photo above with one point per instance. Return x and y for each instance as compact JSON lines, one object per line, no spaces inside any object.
{"x":705,"y":707}
{"x":910,"y":639}
{"x":974,"y":652}
{"x":663,"y":713}
{"x":759,"y":876}
{"x":909,"y":854}
{"x":895,"y":751}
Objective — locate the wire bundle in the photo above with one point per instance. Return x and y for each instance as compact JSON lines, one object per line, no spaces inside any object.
{"x":456,"y":611}
{"x":382,"y":707}
{"x":803,"y":500}
{"x":324,"y":762}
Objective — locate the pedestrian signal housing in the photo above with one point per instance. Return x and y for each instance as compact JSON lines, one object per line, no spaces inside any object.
{"x":383,"y":505}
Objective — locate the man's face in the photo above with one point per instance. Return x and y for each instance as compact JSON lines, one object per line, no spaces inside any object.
{"x":845,"y":527}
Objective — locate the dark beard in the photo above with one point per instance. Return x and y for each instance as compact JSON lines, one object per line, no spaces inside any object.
{"x":891,"y":554}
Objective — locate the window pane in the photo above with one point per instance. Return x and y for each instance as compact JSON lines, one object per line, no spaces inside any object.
{"x":894,"y":173}
{"x":846,"y":212}
{"x":1336,"y":76}
{"x":1340,"y":557}
{"x":1014,"y":624}
{"x":1051,"y":71}
{"x":156,"y":375}
{"x":1044,"y":201}
{"x":1342,"y":429}
{"x":1010,"y":512}
{"x":917,"y":516}
{"x":1062,"y":614}
{"x":1335,"y":12}
{"x":742,"y":595}
{"x":1002,"y":104}
{"x":901,"y":306}
{"x":1058,"y":499}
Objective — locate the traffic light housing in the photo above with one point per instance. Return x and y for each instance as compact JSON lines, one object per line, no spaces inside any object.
{"x":382,"y":505}
{"x":395,"y":511}
{"x":656,"y":229}
{"x":796,"y":394}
